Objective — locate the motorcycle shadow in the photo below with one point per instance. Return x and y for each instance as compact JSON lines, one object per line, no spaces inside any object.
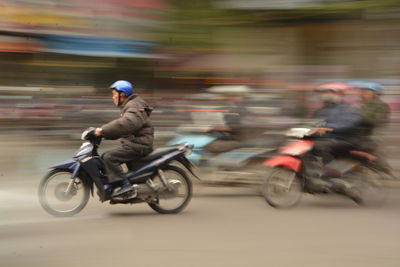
{"x":141,"y":214}
{"x":338,"y":201}
{"x":217,"y":191}
{"x":327,"y":202}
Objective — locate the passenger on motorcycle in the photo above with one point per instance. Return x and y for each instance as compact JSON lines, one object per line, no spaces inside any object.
{"x":134,"y":130}
{"x":337,"y":135}
{"x":375,"y":114}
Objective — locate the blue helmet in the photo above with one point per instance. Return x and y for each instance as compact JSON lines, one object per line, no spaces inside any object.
{"x":373,"y":86}
{"x":123,"y":86}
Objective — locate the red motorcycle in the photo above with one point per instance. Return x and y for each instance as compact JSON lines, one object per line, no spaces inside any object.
{"x":350,"y":175}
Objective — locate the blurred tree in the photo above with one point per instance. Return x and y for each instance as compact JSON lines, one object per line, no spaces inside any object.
{"x":202,"y":29}
{"x":189,"y":26}
{"x":192,"y":24}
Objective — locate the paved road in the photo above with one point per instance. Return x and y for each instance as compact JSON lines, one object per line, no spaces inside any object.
{"x":220,"y":227}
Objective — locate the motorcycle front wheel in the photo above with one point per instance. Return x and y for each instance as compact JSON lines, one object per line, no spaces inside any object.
{"x":282,"y":188}
{"x":178,"y":198}
{"x":62,"y":196}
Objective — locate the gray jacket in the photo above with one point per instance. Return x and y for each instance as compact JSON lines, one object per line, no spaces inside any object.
{"x":133,"y":127}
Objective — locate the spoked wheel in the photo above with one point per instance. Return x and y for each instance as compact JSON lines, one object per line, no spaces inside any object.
{"x":282,"y":188}
{"x":179,"y":195}
{"x":61,"y":196}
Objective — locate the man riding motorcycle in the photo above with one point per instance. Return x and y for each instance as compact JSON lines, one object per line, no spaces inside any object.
{"x":337,"y":136}
{"x":133,"y":129}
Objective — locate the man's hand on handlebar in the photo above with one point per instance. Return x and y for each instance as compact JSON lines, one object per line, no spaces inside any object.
{"x":98,"y":132}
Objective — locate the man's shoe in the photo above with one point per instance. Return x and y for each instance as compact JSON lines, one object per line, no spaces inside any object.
{"x":124,"y":189}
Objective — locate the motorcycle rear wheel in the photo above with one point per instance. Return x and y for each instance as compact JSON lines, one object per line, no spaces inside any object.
{"x":53,"y":196}
{"x":177,"y":201}
{"x":282,"y":188}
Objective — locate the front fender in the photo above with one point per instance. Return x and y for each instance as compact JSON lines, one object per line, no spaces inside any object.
{"x":72,"y":165}
{"x":68,"y":164}
{"x":291,"y":163}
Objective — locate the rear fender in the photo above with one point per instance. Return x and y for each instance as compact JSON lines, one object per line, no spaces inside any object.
{"x":188,"y":165}
{"x":288,"y":162}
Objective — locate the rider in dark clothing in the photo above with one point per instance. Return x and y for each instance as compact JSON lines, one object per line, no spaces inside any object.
{"x":133,"y":129}
{"x":341,"y":117}
{"x":341,"y":121}
{"x":337,"y":136}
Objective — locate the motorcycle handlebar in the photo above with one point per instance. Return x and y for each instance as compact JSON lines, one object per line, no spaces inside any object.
{"x":89,"y":135}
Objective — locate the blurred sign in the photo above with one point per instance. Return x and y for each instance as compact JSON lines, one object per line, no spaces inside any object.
{"x":114,"y":28}
{"x":93,"y":46}
{"x":18,"y":44}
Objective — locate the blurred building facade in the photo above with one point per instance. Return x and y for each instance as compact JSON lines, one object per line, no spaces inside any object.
{"x":179,"y":45}
{"x":57,"y":58}
{"x":75,"y":43}
{"x":280,"y":42}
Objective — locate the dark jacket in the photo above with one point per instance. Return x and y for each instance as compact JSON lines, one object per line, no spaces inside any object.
{"x":375,"y":113}
{"x":133,"y":127}
{"x":343,"y":118}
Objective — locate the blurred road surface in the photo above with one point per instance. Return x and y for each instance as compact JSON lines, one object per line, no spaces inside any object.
{"x":220,"y":227}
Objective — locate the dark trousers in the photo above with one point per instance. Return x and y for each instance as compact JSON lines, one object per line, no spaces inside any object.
{"x":328,"y":149}
{"x":114,"y":158}
{"x":323,"y":152}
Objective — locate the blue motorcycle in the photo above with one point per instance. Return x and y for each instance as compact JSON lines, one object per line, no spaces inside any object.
{"x":158,"y":181}
{"x":200,"y":156}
